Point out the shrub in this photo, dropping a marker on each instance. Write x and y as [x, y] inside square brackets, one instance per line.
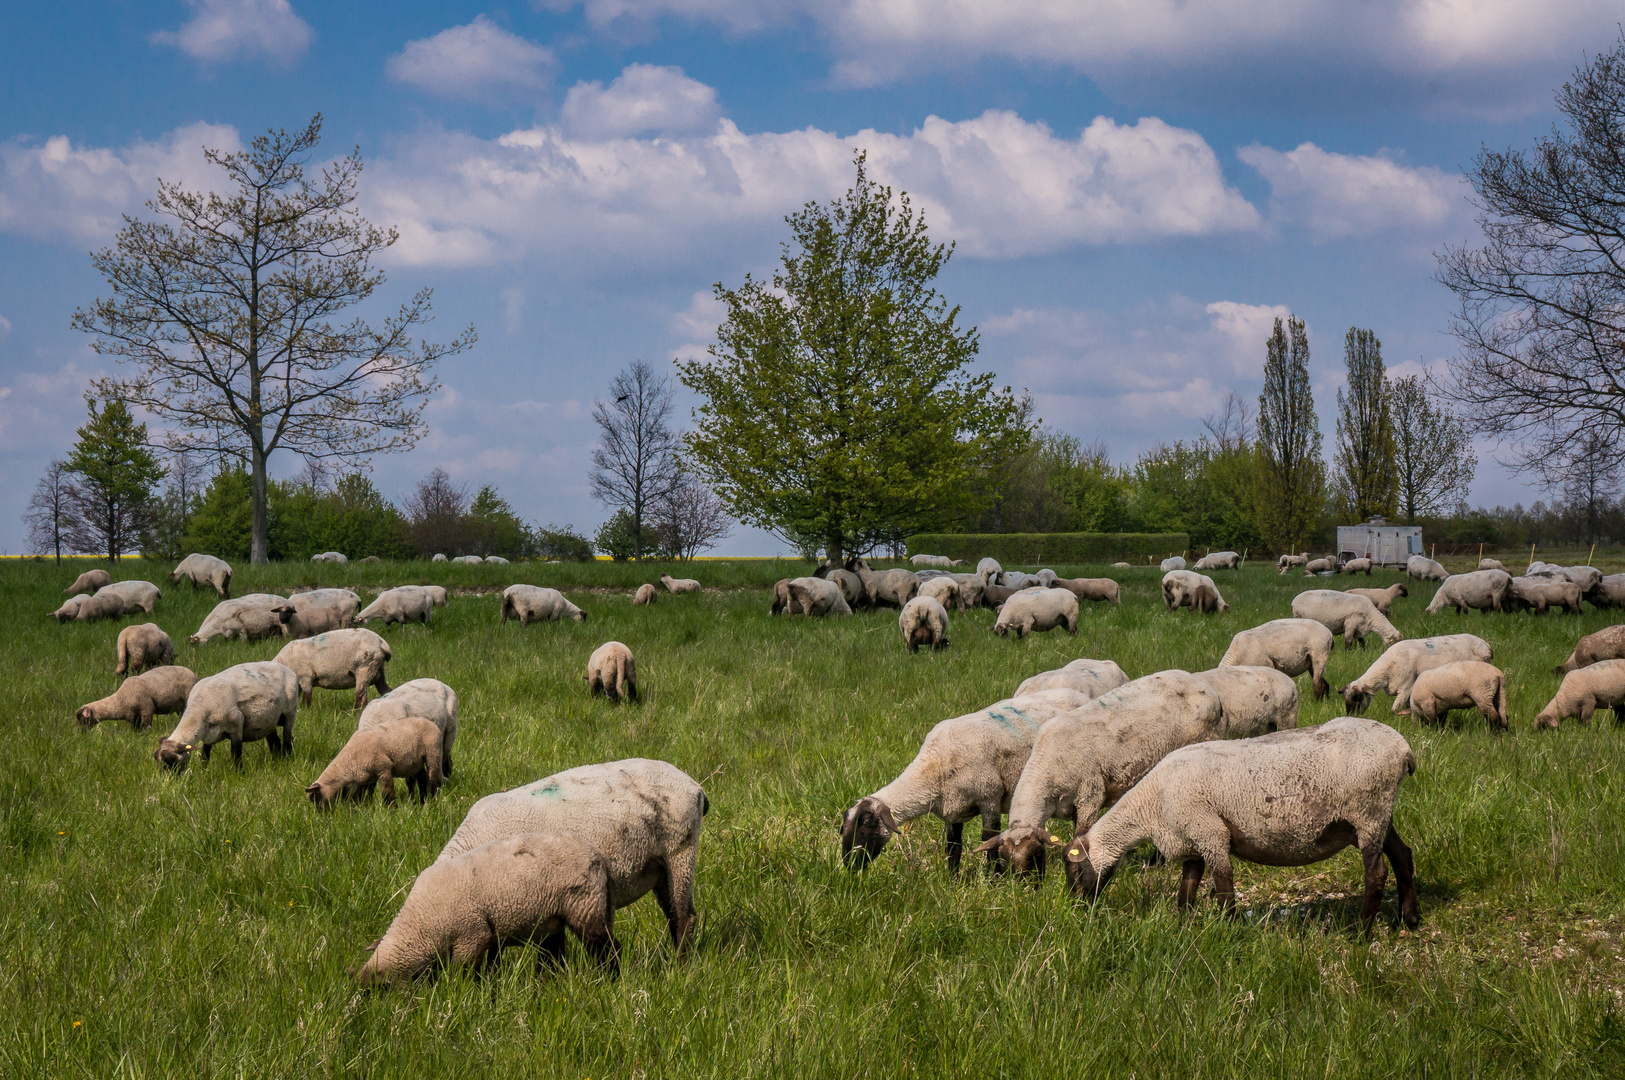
[1031, 549]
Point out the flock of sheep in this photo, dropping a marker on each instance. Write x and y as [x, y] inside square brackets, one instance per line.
[1206, 766]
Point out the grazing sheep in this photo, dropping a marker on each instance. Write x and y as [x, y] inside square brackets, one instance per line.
[817, 597]
[519, 890]
[1218, 560]
[89, 582]
[1091, 678]
[1461, 685]
[69, 611]
[930, 560]
[1287, 799]
[1173, 562]
[1357, 566]
[1425, 569]
[1608, 592]
[104, 605]
[1186, 588]
[1485, 590]
[204, 570]
[944, 590]
[1540, 593]
[850, 584]
[644, 816]
[342, 599]
[1046, 577]
[140, 697]
[372, 559]
[429, 699]
[137, 595]
[1383, 598]
[1123, 565]
[1328, 565]
[338, 660]
[924, 621]
[1586, 577]
[1345, 613]
[437, 593]
[1490, 564]
[894, 588]
[1584, 691]
[1605, 644]
[782, 600]
[1255, 698]
[407, 748]
[312, 621]
[330, 556]
[1290, 646]
[994, 596]
[1038, 610]
[987, 568]
[438, 557]
[245, 703]
[1017, 580]
[1092, 588]
[1289, 562]
[402, 604]
[971, 589]
[143, 646]
[646, 594]
[498, 559]
[1395, 671]
[612, 672]
[529, 604]
[967, 767]
[246, 618]
[679, 585]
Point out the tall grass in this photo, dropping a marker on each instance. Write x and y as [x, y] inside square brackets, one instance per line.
[203, 924]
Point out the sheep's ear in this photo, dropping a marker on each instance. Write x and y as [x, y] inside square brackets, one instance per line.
[886, 819]
[1054, 841]
[1078, 850]
[374, 946]
[313, 793]
[987, 847]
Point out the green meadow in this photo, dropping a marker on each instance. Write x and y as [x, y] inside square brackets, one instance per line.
[203, 924]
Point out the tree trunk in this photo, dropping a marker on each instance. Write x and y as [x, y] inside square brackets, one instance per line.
[261, 551]
[833, 554]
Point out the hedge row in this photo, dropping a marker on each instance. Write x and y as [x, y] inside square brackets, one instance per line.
[1037, 549]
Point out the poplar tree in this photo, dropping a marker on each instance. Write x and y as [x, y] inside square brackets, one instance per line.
[1291, 488]
[1366, 484]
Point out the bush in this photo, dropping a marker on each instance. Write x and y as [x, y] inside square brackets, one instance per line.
[1060, 549]
[564, 544]
[616, 537]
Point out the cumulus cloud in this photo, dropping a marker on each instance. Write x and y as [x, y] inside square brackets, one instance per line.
[477, 62]
[644, 100]
[1335, 195]
[221, 30]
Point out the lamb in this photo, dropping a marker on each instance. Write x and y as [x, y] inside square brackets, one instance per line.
[1608, 592]
[930, 560]
[1218, 560]
[894, 588]
[1490, 564]
[143, 646]
[330, 556]
[402, 604]
[967, 767]
[644, 816]
[1396, 670]
[1605, 644]
[204, 570]
[924, 621]
[1287, 799]
[1425, 569]
[104, 605]
[246, 618]
[529, 603]
[1098, 588]
[140, 697]
[612, 672]
[407, 747]
[1584, 691]
[1345, 613]
[679, 585]
[1186, 588]
[646, 594]
[1037, 610]
[69, 611]
[526, 888]
[1356, 566]
[1485, 590]
[89, 582]
[339, 660]
[1541, 593]
[245, 703]
[1383, 598]
[1173, 562]
[429, 699]
[1290, 646]
[944, 590]
[1289, 562]
[1091, 678]
[1315, 567]
[1461, 685]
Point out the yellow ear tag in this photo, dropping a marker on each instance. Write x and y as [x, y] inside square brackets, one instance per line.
[1055, 839]
[1074, 851]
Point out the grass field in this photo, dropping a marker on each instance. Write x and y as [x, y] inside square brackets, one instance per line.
[202, 924]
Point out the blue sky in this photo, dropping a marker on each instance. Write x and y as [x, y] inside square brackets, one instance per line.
[1136, 189]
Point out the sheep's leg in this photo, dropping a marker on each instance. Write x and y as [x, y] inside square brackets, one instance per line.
[597, 934]
[145, 722]
[955, 845]
[387, 780]
[237, 750]
[287, 734]
[550, 950]
[1224, 883]
[1376, 876]
[1399, 856]
[1191, 880]
[1587, 707]
[675, 892]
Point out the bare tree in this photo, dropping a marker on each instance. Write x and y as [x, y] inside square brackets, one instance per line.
[437, 515]
[635, 460]
[1433, 456]
[1589, 479]
[224, 309]
[1231, 428]
[688, 516]
[53, 517]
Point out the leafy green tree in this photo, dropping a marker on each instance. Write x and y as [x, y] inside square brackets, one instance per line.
[837, 400]
[618, 537]
[1291, 486]
[222, 521]
[497, 528]
[1433, 452]
[1366, 481]
[117, 475]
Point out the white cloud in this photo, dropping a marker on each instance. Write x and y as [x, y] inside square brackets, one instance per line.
[1335, 195]
[480, 61]
[54, 188]
[645, 99]
[241, 29]
[5, 328]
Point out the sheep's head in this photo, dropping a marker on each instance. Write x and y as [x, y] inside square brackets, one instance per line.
[1081, 878]
[87, 718]
[1002, 629]
[1024, 850]
[1400, 589]
[864, 832]
[1355, 699]
[323, 795]
[173, 754]
[578, 615]
[858, 565]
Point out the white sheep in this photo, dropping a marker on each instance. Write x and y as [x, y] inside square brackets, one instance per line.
[246, 618]
[1255, 698]
[1608, 592]
[1485, 590]
[498, 559]
[1218, 560]
[468, 560]
[530, 603]
[1586, 577]
[1425, 569]
[338, 660]
[136, 595]
[924, 621]
[143, 646]
[104, 605]
[817, 597]
[944, 590]
[679, 585]
[1038, 610]
[1490, 564]
[1460, 685]
[1383, 598]
[1187, 588]
[1357, 566]
[330, 556]
[438, 557]
[437, 593]
[89, 582]
[1173, 562]
[645, 595]
[1395, 671]
[203, 570]
[1327, 565]
[987, 568]
[402, 604]
[1584, 691]
[1287, 799]
[1290, 646]
[1542, 593]
[930, 560]
[1100, 588]
[1343, 613]
[1289, 562]
[1091, 678]
[69, 611]
[430, 699]
[894, 588]
[245, 703]
[161, 690]
[1606, 644]
[406, 748]
[970, 589]
[611, 671]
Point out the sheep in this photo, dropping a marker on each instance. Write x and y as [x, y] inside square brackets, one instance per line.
[1037, 610]
[467, 560]
[89, 582]
[1092, 755]
[1460, 685]
[1099, 588]
[1091, 678]
[137, 595]
[1218, 560]
[245, 703]
[521, 889]
[529, 603]
[1046, 577]
[69, 611]
[1485, 590]
[1490, 564]
[402, 604]
[246, 618]
[1425, 569]
[971, 588]
[1605, 644]
[1255, 698]
[1356, 566]
[1186, 588]
[1289, 562]
[1395, 671]
[1584, 691]
[1586, 577]
[407, 747]
[1345, 613]
[967, 767]
[645, 595]
[429, 699]
[437, 593]
[782, 600]
[987, 568]
[612, 672]
[1286, 799]
[1123, 565]
[1541, 593]
[143, 646]
[944, 590]
[338, 660]
[930, 560]
[1017, 580]
[438, 557]
[1316, 567]
[894, 588]
[104, 605]
[994, 596]
[850, 584]
[1383, 598]
[343, 600]
[644, 816]
[311, 621]
[1173, 562]
[372, 559]
[1608, 592]
[1290, 646]
[330, 556]
[924, 621]
[679, 585]
[140, 697]
[204, 570]
[498, 559]
[817, 597]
